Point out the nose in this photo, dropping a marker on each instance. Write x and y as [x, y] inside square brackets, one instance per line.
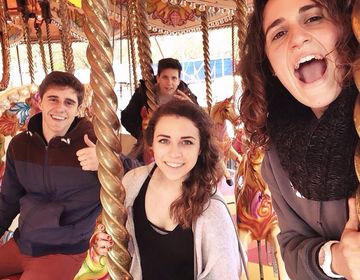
[174, 150]
[298, 37]
[60, 106]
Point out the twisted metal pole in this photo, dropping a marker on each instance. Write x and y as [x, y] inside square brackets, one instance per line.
[5, 49]
[41, 46]
[207, 70]
[27, 39]
[48, 39]
[356, 29]
[144, 51]
[241, 14]
[106, 125]
[19, 64]
[233, 57]
[132, 32]
[66, 38]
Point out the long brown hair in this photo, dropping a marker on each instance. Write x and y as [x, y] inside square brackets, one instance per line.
[259, 85]
[200, 185]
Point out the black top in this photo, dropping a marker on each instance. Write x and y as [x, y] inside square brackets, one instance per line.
[163, 254]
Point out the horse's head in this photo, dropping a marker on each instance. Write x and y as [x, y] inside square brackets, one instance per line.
[256, 156]
[225, 110]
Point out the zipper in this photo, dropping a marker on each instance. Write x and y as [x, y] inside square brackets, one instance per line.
[46, 172]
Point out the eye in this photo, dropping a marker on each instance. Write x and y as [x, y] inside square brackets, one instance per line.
[163, 141]
[52, 99]
[187, 142]
[69, 103]
[279, 35]
[313, 19]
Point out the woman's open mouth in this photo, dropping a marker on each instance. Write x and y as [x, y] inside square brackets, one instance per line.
[310, 69]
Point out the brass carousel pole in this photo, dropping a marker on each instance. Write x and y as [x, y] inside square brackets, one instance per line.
[5, 49]
[144, 51]
[46, 15]
[241, 14]
[106, 124]
[132, 33]
[41, 45]
[66, 38]
[233, 56]
[48, 39]
[205, 35]
[19, 64]
[356, 29]
[28, 48]
[241, 22]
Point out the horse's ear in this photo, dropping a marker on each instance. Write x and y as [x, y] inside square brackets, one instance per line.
[229, 99]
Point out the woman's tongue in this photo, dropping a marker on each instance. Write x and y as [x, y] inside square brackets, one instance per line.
[311, 71]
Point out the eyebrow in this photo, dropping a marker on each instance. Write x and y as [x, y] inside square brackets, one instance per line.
[70, 100]
[280, 20]
[66, 99]
[183, 137]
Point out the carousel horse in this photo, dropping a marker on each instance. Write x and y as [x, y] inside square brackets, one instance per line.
[256, 219]
[221, 111]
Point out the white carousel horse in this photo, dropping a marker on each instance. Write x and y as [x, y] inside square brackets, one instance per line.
[221, 111]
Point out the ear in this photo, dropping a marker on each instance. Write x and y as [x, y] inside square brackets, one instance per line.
[157, 78]
[40, 104]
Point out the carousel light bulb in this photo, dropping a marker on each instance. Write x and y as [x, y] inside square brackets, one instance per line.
[211, 10]
[202, 8]
[173, 2]
[182, 3]
[192, 6]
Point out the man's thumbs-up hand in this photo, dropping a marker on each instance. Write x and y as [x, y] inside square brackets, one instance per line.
[87, 156]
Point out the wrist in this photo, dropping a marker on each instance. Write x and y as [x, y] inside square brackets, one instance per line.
[325, 258]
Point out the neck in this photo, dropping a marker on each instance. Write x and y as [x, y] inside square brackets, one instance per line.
[319, 111]
[174, 186]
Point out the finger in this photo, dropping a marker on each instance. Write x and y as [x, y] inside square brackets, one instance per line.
[88, 141]
[101, 227]
[81, 152]
[103, 236]
[353, 222]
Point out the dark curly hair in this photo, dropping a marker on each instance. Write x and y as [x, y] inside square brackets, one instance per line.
[259, 85]
[198, 188]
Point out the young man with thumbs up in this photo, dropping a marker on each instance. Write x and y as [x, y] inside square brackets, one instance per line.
[57, 200]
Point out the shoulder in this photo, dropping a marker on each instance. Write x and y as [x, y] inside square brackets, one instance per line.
[20, 137]
[271, 163]
[19, 140]
[134, 179]
[136, 174]
[83, 127]
[215, 213]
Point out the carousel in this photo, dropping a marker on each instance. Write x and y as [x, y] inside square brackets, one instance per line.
[44, 23]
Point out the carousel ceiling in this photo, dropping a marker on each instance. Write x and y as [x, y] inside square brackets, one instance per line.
[164, 17]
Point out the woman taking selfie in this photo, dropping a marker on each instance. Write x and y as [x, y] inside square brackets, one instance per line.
[298, 100]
